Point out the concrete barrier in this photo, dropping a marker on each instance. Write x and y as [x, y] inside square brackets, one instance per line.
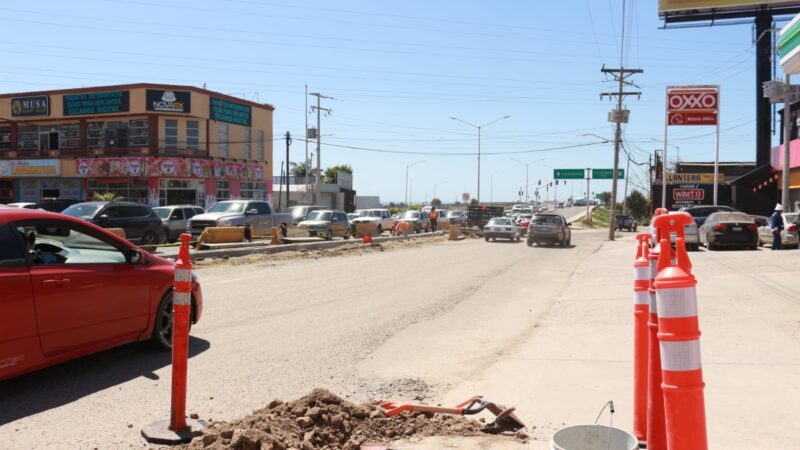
[220, 235]
[455, 232]
[118, 231]
[363, 229]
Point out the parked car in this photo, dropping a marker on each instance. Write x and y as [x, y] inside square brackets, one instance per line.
[580, 202]
[300, 213]
[327, 223]
[729, 229]
[523, 221]
[419, 220]
[71, 288]
[23, 205]
[379, 216]
[350, 217]
[501, 227]
[176, 219]
[625, 222]
[789, 238]
[552, 228]
[141, 224]
[456, 217]
[257, 214]
[701, 212]
[56, 204]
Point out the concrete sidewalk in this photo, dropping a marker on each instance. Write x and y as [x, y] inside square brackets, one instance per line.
[578, 355]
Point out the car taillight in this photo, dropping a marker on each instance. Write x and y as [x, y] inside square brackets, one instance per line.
[720, 227]
[792, 228]
[754, 227]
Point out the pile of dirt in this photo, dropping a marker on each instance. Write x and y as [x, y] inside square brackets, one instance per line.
[321, 420]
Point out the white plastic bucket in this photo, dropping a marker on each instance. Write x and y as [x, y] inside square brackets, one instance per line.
[593, 437]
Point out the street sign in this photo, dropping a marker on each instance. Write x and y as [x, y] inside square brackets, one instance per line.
[607, 174]
[465, 196]
[569, 174]
[690, 105]
[773, 90]
[693, 178]
[688, 194]
[621, 116]
[598, 196]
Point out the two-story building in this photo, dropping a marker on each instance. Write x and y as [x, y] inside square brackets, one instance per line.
[150, 143]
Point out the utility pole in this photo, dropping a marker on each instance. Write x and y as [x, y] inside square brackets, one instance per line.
[619, 116]
[588, 183]
[317, 198]
[787, 131]
[625, 195]
[306, 161]
[288, 143]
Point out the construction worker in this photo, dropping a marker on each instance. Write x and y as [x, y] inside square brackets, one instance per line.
[434, 216]
[776, 225]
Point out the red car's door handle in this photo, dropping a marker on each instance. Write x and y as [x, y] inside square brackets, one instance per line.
[57, 281]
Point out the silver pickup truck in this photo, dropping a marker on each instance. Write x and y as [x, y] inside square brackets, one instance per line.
[258, 214]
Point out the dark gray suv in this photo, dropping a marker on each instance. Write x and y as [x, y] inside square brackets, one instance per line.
[142, 226]
[550, 228]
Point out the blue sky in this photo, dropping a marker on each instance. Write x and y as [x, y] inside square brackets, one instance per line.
[398, 70]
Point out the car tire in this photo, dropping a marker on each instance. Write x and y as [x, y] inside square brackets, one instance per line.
[284, 230]
[161, 338]
[347, 235]
[530, 243]
[149, 238]
[380, 230]
[569, 240]
[329, 235]
[487, 238]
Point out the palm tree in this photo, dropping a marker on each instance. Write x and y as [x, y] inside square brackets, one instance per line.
[105, 196]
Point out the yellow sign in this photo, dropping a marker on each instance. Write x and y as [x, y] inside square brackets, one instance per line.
[699, 178]
[30, 168]
[700, 6]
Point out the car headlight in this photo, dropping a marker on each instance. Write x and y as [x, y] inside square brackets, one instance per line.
[225, 223]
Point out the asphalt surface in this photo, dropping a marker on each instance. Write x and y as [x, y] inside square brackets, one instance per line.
[545, 328]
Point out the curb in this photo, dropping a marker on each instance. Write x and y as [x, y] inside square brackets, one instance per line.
[232, 252]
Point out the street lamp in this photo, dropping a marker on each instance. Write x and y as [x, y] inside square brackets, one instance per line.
[479, 127]
[527, 199]
[410, 165]
[434, 189]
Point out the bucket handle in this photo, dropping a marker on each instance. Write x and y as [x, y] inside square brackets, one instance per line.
[610, 405]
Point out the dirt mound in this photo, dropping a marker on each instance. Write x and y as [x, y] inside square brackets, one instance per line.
[321, 420]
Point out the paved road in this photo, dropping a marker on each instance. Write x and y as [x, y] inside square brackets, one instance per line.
[546, 329]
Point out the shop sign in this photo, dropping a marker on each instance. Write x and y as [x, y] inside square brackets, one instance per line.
[30, 168]
[37, 105]
[692, 105]
[225, 111]
[96, 103]
[694, 178]
[688, 194]
[168, 167]
[169, 101]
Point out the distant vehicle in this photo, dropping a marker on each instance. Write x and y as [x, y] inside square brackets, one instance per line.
[176, 219]
[327, 223]
[479, 215]
[23, 205]
[501, 227]
[523, 221]
[300, 213]
[456, 217]
[549, 227]
[141, 224]
[700, 212]
[580, 202]
[257, 214]
[517, 207]
[419, 220]
[71, 288]
[625, 222]
[378, 216]
[789, 238]
[559, 205]
[729, 229]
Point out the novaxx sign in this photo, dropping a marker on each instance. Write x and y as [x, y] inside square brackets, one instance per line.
[169, 101]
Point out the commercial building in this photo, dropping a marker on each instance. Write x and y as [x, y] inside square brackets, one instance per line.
[150, 143]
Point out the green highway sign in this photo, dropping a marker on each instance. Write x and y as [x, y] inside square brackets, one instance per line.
[607, 174]
[569, 174]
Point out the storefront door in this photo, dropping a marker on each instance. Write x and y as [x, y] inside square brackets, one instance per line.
[6, 191]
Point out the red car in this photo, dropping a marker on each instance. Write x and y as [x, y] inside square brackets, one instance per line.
[69, 288]
[523, 221]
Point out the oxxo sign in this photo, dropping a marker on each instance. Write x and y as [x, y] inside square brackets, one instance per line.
[692, 106]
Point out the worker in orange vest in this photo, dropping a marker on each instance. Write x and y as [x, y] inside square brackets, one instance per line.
[434, 216]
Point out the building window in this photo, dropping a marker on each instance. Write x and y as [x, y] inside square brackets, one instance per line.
[171, 134]
[193, 134]
[223, 191]
[260, 145]
[48, 137]
[253, 191]
[5, 138]
[135, 190]
[248, 143]
[118, 133]
[222, 138]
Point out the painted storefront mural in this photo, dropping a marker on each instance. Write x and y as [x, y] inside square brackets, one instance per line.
[168, 167]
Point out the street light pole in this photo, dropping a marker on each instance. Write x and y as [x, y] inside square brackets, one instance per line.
[434, 189]
[527, 198]
[479, 127]
[407, 167]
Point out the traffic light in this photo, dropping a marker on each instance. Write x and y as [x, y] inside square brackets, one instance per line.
[540, 182]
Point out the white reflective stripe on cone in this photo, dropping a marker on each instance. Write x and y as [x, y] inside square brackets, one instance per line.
[181, 298]
[677, 302]
[641, 298]
[653, 268]
[653, 303]
[182, 275]
[680, 356]
[641, 273]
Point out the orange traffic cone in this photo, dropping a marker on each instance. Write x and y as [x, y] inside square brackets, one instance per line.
[367, 238]
[641, 311]
[679, 337]
[656, 432]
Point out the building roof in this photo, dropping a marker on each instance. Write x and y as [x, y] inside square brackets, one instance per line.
[175, 87]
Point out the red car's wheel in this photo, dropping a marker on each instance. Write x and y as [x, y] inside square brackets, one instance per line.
[162, 329]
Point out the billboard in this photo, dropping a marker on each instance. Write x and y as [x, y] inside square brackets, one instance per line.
[692, 105]
[688, 7]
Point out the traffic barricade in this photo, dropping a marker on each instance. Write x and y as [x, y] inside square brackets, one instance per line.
[679, 339]
[641, 311]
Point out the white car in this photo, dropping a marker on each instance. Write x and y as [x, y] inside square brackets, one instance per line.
[502, 227]
[690, 235]
[379, 216]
